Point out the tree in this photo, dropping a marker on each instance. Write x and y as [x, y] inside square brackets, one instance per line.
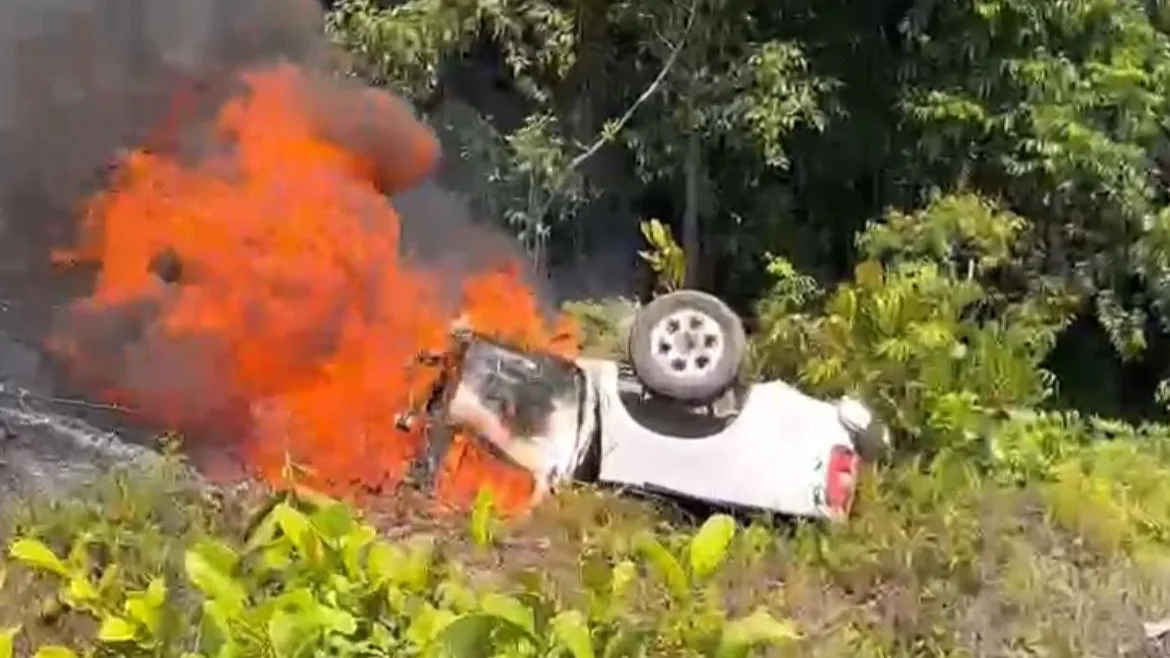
[725, 87]
[788, 128]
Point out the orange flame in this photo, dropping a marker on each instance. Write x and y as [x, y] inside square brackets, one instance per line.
[296, 316]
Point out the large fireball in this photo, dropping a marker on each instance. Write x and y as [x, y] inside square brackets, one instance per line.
[296, 314]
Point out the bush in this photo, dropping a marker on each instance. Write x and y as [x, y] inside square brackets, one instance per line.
[1004, 529]
[942, 561]
[942, 558]
[920, 338]
[311, 577]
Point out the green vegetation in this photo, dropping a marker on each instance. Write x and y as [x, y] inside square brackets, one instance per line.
[957, 211]
[941, 559]
[311, 579]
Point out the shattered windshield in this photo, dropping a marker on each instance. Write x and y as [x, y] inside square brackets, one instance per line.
[522, 388]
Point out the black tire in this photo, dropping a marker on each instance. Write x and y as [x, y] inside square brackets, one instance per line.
[687, 365]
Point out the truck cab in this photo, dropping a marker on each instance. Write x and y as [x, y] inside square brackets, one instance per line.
[762, 447]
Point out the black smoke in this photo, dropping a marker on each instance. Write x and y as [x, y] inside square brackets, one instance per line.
[83, 81]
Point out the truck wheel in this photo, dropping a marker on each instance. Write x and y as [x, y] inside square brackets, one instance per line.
[687, 345]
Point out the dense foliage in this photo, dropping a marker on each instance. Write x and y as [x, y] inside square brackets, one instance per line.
[940, 560]
[786, 128]
[311, 579]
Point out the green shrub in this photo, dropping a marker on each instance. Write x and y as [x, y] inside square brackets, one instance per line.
[312, 578]
[1005, 528]
[943, 557]
[942, 560]
[915, 332]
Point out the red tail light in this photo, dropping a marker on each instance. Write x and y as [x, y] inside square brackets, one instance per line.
[840, 481]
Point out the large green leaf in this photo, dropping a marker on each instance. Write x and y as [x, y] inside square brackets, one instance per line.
[426, 626]
[80, 592]
[34, 553]
[205, 566]
[386, 563]
[334, 522]
[336, 620]
[709, 546]
[115, 629]
[292, 634]
[665, 564]
[353, 549]
[477, 636]
[571, 631]
[7, 640]
[509, 608]
[297, 527]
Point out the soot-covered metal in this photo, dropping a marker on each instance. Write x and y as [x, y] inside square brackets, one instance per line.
[521, 388]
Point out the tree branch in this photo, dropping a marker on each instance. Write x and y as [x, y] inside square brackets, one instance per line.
[653, 87]
[607, 135]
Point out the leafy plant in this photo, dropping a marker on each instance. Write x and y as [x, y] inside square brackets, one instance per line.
[665, 256]
[916, 332]
[313, 578]
[481, 524]
[695, 621]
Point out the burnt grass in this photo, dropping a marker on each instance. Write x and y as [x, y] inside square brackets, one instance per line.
[978, 570]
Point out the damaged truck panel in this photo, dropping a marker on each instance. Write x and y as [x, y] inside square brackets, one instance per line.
[773, 455]
[770, 448]
[529, 408]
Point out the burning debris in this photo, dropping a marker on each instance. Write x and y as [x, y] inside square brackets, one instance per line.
[298, 310]
[247, 280]
[252, 280]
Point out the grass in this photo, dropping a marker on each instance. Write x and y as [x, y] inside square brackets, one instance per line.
[936, 563]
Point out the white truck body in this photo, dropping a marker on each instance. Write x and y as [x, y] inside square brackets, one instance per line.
[770, 448]
[779, 452]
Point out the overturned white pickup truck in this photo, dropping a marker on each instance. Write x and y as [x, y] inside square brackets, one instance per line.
[675, 420]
